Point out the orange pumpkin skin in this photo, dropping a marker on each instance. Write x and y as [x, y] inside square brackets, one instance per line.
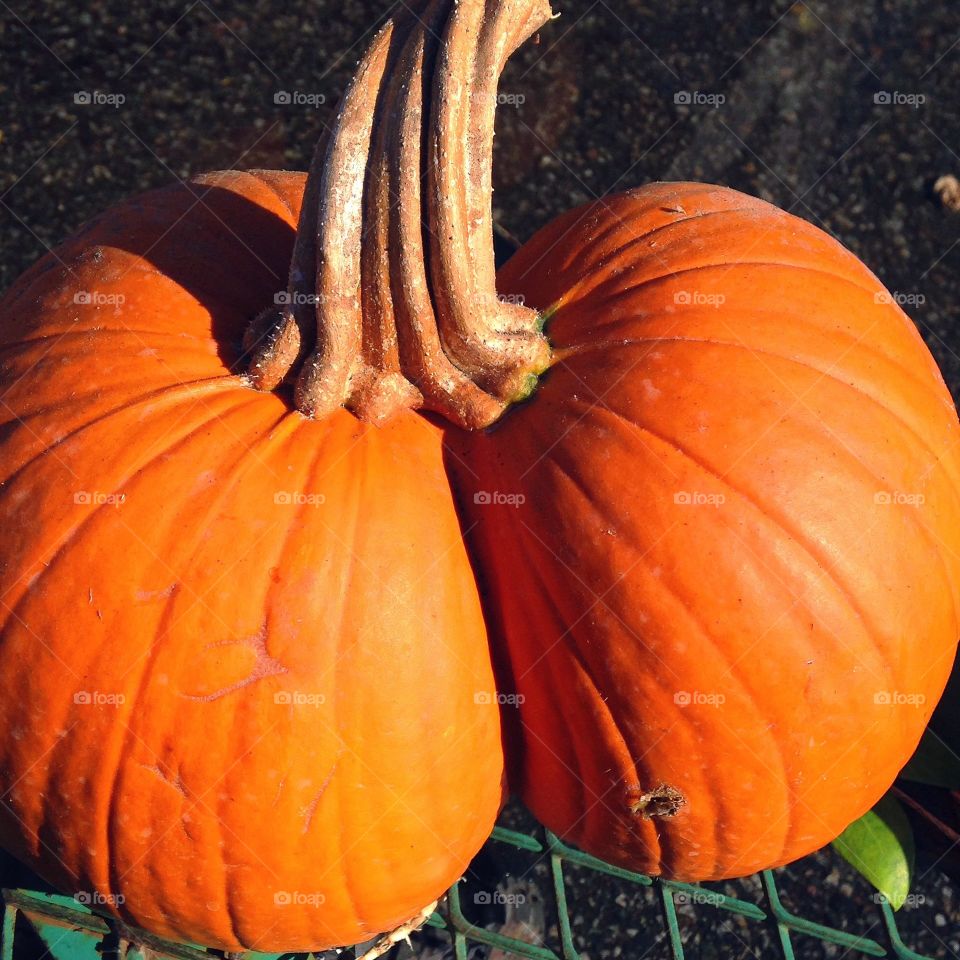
[243, 665]
[722, 540]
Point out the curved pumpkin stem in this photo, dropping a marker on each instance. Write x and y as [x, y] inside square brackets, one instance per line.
[497, 343]
[392, 300]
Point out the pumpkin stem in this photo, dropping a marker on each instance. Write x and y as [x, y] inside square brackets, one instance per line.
[392, 300]
[389, 940]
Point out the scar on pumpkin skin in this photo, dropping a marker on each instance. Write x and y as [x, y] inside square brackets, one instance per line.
[264, 666]
[176, 783]
[661, 801]
[311, 808]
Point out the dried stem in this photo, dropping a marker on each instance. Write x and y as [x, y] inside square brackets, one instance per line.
[324, 383]
[496, 343]
[397, 319]
[381, 387]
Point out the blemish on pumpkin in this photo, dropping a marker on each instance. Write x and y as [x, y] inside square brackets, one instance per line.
[176, 783]
[163, 594]
[264, 666]
[311, 808]
[650, 392]
[662, 801]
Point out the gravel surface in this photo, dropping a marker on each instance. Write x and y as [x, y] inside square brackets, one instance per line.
[843, 114]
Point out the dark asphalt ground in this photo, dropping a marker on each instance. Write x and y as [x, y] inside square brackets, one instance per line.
[178, 88]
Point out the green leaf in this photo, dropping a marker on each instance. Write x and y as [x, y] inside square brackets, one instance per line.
[880, 846]
[934, 764]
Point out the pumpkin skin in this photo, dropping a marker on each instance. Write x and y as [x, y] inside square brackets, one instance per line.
[233, 721]
[722, 541]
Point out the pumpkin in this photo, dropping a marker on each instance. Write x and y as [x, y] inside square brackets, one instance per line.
[259, 538]
[722, 542]
[246, 689]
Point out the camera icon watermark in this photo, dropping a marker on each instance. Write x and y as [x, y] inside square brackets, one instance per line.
[284, 298]
[486, 897]
[911, 899]
[698, 897]
[698, 98]
[698, 298]
[896, 698]
[895, 98]
[96, 498]
[94, 898]
[97, 698]
[298, 98]
[687, 698]
[297, 898]
[487, 697]
[294, 498]
[299, 698]
[486, 498]
[98, 98]
[899, 298]
[901, 498]
[696, 498]
[98, 299]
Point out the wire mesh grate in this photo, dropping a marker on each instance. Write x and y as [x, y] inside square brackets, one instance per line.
[68, 930]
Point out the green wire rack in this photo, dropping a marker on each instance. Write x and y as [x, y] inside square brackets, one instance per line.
[64, 929]
[668, 892]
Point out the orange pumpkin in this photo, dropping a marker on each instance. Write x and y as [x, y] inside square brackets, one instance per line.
[722, 541]
[243, 660]
[245, 679]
